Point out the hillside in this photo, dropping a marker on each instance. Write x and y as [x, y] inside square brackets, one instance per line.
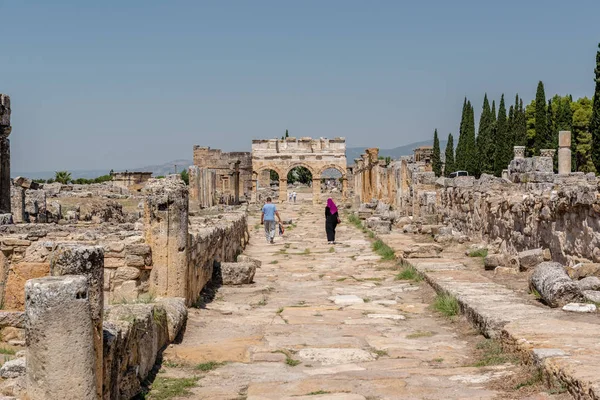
[395, 153]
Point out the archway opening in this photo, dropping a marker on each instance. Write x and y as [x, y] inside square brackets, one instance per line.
[300, 182]
[331, 183]
[267, 185]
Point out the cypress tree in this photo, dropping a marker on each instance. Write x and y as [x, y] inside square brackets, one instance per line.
[462, 139]
[584, 153]
[471, 158]
[541, 123]
[521, 126]
[449, 167]
[485, 146]
[552, 131]
[436, 160]
[500, 161]
[510, 127]
[595, 120]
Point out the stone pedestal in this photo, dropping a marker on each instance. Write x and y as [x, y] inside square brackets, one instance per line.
[282, 190]
[344, 188]
[5, 129]
[519, 151]
[87, 261]
[316, 187]
[166, 231]
[61, 361]
[564, 152]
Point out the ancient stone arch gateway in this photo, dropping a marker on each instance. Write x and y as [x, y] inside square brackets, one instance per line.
[283, 155]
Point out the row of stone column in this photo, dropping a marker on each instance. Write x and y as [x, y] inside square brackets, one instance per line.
[564, 152]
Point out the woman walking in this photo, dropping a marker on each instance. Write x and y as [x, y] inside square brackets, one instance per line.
[331, 220]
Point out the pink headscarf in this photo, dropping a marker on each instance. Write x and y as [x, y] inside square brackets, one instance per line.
[332, 207]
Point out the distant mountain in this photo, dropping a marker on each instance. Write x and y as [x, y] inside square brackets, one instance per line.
[157, 170]
[395, 153]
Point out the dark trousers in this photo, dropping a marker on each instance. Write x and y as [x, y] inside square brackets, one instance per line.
[330, 229]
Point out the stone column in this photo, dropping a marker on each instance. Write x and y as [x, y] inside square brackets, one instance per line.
[254, 197]
[236, 182]
[519, 152]
[564, 152]
[316, 187]
[282, 189]
[87, 261]
[61, 362]
[166, 231]
[344, 188]
[5, 129]
[17, 203]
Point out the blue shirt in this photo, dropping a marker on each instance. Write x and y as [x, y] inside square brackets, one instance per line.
[269, 211]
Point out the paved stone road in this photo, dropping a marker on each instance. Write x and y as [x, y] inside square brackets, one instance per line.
[328, 322]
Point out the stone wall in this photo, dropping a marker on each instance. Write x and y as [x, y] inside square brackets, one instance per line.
[221, 242]
[132, 181]
[562, 216]
[134, 336]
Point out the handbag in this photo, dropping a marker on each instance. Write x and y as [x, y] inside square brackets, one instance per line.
[281, 230]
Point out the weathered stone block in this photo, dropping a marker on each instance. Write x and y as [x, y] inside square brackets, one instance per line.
[127, 274]
[133, 260]
[553, 284]
[237, 273]
[125, 292]
[138, 249]
[589, 283]
[491, 261]
[13, 368]
[530, 258]
[14, 297]
[245, 258]
[582, 270]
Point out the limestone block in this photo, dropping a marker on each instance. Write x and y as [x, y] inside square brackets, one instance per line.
[133, 260]
[505, 270]
[176, 315]
[580, 307]
[125, 292]
[530, 258]
[582, 270]
[592, 295]
[12, 319]
[237, 273]
[245, 258]
[114, 247]
[61, 361]
[127, 274]
[379, 225]
[553, 284]
[138, 249]
[491, 261]
[589, 283]
[13, 368]
[14, 297]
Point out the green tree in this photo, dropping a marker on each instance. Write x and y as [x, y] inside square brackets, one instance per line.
[485, 143]
[63, 177]
[449, 166]
[185, 176]
[584, 153]
[542, 136]
[436, 157]
[501, 138]
[595, 119]
[299, 174]
[520, 124]
[472, 159]
[287, 135]
[582, 113]
[274, 176]
[530, 125]
[460, 158]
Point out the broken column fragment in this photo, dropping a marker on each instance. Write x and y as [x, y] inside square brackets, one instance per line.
[166, 231]
[564, 152]
[87, 261]
[61, 362]
[5, 129]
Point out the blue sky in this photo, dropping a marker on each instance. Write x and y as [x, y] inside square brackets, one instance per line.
[120, 84]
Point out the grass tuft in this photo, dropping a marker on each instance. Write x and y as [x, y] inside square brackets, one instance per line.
[409, 273]
[317, 393]
[492, 353]
[167, 388]
[332, 250]
[8, 351]
[354, 220]
[209, 366]
[478, 253]
[420, 334]
[447, 305]
[385, 251]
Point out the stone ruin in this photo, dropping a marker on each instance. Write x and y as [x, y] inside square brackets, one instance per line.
[95, 280]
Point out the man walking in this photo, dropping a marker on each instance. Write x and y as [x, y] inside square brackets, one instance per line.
[267, 218]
